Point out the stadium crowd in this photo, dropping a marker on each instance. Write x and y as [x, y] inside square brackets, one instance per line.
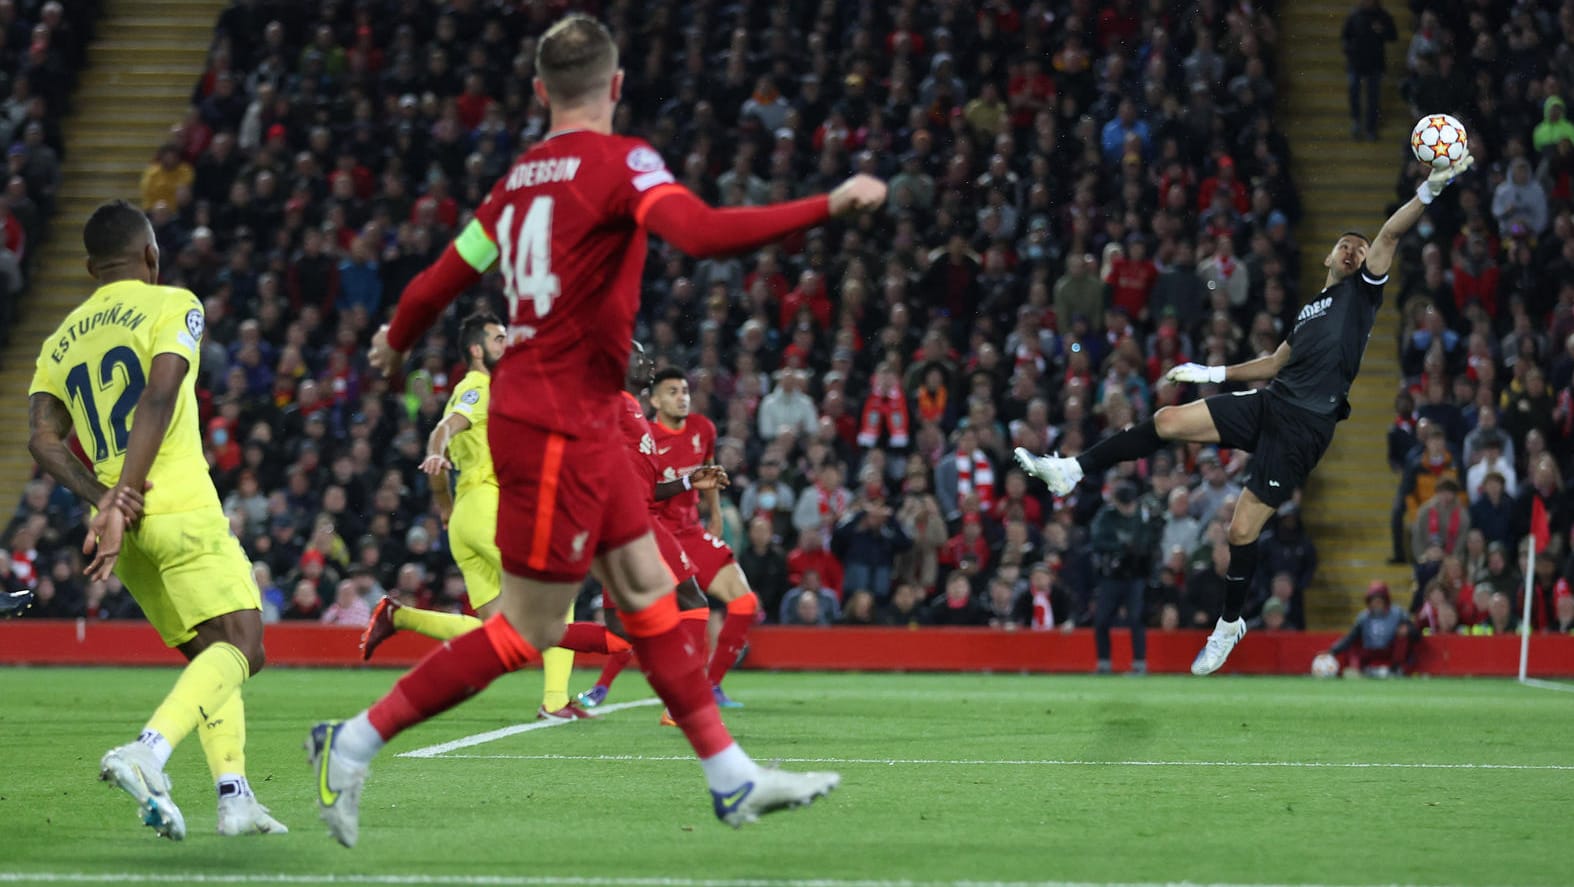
[1082, 195]
[1483, 433]
[42, 46]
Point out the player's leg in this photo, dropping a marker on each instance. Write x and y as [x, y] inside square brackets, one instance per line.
[1134, 591]
[732, 587]
[201, 598]
[615, 663]
[470, 535]
[1107, 602]
[1250, 516]
[1192, 423]
[546, 527]
[740, 789]
[693, 615]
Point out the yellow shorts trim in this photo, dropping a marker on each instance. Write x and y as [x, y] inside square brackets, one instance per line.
[472, 535]
[184, 569]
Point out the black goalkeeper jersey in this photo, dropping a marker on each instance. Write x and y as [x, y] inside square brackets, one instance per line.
[1327, 342]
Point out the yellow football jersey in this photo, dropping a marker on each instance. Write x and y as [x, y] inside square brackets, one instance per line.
[98, 362]
[468, 449]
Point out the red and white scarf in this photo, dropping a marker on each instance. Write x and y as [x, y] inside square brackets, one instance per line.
[1434, 529]
[886, 408]
[1043, 612]
[974, 474]
[833, 504]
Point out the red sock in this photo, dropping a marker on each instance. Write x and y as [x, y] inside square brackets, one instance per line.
[740, 618]
[451, 674]
[675, 668]
[695, 624]
[591, 637]
[614, 667]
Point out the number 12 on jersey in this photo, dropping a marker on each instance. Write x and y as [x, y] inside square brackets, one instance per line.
[80, 385]
[526, 257]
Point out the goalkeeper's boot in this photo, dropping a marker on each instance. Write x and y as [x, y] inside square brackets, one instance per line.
[380, 627]
[339, 784]
[771, 790]
[592, 697]
[136, 771]
[1059, 473]
[243, 815]
[1224, 638]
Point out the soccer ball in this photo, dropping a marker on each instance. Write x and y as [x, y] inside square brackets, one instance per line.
[1324, 665]
[1439, 141]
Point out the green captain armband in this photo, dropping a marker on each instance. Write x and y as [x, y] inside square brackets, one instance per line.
[475, 247]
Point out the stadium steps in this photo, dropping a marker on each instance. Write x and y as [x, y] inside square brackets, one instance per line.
[1344, 184]
[138, 81]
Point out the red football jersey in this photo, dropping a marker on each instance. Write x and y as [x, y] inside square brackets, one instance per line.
[641, 444]
[679, 453]
[566, 222]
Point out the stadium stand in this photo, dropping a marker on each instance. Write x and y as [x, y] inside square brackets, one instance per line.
[1080, 199]
[1484, 419]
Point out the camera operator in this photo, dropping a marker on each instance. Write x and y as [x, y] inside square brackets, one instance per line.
[1123, 539]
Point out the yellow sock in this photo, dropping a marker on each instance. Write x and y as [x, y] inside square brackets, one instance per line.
[557, 664]
[206, 684]
[223, 737]
[442, 626]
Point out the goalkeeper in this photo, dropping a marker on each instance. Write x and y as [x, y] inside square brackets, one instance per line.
[1286, 426]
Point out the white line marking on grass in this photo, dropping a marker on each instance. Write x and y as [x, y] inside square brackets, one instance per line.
[550, 881]
[988, 762]
[432, 751]
[1547, 685]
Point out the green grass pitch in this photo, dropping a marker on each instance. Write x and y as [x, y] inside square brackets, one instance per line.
[947, 778]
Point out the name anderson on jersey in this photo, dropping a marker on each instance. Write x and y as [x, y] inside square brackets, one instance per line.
[114, 314]
[541, 172]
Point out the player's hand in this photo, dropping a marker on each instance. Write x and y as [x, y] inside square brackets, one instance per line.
[128, 501]
[1438, 179]
[1196, 374]
[708, 477]
[858, 194]
[382, 357]
[436, 464]
[104, 535]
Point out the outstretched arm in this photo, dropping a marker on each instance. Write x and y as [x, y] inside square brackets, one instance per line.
[1257, 370]
[1380, 257]
[677, 216]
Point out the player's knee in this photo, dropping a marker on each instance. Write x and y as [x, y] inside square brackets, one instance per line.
[1167, 421]
[1240, 533]
[256, 658]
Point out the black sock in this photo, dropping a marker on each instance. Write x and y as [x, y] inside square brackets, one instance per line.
[1135, 442]
[1243, 566]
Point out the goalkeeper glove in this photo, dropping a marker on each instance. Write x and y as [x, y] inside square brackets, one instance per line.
[1196, 373]
[1434, 183]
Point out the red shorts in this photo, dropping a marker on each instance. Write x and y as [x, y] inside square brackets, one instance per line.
[563, 500]
[709, 554]
[677, 559]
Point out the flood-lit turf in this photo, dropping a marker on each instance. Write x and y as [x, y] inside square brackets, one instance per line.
[947, 777]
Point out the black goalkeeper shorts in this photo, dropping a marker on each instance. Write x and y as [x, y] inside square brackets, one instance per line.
[1285, 441]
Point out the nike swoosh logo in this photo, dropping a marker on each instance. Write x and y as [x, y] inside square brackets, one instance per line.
[732, 799]
[1273, 483]
[662, 451]
[325, 794]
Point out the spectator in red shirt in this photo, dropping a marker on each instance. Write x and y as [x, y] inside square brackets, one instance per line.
[1475, 276]
[968, 546]
[809, 294]
[1131, 278]
[1028, 92]
[1016, 498]
[811, 554]
[473, 102]
[1225, 178]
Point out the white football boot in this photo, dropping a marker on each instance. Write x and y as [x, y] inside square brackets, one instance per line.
[135, 770]
[1224, 638]
[1061, 474]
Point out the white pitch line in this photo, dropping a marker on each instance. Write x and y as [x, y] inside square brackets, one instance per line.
[1547, 685]
[432, 751]
[992, 762]
[550, 881]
